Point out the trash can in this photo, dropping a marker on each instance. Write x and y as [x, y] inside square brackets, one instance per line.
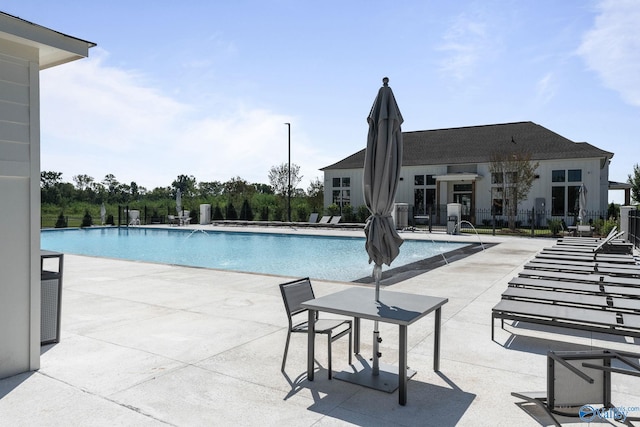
[401, 217]
[454, 214]
[452, 224]
[50, 296]
[205, 214]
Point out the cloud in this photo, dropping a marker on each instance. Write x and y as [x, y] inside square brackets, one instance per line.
[97, 119]
[546, 88]
[464, 44]
[611, 48]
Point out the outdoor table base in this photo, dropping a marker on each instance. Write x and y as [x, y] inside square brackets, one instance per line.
[362, 373]
[398, 308]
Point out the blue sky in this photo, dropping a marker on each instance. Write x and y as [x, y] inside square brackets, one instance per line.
[204, 88]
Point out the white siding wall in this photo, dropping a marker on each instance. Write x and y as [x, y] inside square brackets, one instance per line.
[19, 210]
[594, 178]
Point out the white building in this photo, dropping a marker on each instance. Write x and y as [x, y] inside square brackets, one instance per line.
[25, 49]
[453, 166]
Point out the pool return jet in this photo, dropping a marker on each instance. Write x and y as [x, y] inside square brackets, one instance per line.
[382, 163]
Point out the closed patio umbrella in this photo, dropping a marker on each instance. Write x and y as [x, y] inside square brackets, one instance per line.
[178, 202]
[382, 164]
[582, 203]
[103, 213]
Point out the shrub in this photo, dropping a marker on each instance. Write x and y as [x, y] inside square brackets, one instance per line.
[232, 214]
[217, 214]
[347, 214]
[555, 225]
[246, 213]
[110, 220]
[264, 213]
[333, 209]
[362, 214]
[61, 222]
[87, 221]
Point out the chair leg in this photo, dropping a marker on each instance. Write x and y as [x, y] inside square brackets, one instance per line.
[329, 354]
[286, 349]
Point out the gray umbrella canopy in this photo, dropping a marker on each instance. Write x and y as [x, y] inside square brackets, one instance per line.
[382, 163]
[582, 203]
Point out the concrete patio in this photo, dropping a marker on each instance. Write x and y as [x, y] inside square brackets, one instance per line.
[151, 344]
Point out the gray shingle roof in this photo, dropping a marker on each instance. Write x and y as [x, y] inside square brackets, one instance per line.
[476, 144]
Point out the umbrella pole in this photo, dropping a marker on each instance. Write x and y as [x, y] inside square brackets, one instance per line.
[377, 274]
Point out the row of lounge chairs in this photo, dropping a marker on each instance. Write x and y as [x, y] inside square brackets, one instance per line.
[587, 284]
[591, 285]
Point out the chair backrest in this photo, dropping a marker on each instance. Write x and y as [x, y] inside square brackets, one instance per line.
[295, 293]
[313, 218]
[335, 219]
[325, 219]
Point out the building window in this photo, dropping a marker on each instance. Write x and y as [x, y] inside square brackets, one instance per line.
[497, 178]
[341, 192]
[557, 200]
[575, 175]
[573, 200]
[558, 176]
[424, 195]
[496, 201]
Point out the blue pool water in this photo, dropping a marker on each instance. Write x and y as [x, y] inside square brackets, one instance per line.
[320, 257]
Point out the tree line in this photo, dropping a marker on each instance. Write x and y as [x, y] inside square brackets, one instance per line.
[232, 199]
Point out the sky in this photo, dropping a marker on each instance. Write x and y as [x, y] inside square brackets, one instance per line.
[204, 88]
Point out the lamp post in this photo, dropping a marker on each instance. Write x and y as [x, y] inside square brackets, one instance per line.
[289, 172]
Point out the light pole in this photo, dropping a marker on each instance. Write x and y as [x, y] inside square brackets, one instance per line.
[289, 172]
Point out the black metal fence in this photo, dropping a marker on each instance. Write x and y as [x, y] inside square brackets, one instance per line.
[524, 221]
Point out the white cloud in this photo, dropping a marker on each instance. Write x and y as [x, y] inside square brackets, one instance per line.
[611, 48]
[546, 88]
[99, 120]
[462, 45]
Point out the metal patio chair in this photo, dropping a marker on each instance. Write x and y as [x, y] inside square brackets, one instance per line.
[293, 294]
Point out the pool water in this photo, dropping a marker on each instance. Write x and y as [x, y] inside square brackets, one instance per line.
[319, 257]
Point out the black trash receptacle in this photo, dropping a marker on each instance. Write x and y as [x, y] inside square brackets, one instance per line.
[50, 299]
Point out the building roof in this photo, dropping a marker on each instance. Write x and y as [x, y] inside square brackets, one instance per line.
[476, 144]
[54, 48]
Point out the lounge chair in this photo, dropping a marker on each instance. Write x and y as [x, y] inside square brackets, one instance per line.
[325, 219]
[313, 218]
[293, 294]
[335, 219]
[579, 385]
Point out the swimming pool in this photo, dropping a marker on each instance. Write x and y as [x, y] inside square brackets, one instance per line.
[319, 257]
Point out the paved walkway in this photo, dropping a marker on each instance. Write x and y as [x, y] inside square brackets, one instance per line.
[155, 345]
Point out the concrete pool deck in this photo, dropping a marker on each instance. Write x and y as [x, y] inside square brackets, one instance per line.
[154, 345]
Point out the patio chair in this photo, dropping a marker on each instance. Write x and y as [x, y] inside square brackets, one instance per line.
[335, 219]
[579, 384]
[293, 294]
[313, 218]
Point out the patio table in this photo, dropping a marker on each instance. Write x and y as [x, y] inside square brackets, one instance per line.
[397, 308]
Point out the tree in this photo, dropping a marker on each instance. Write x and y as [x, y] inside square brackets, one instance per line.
[279, 178]
[50, 187]
[315, 194]
[512, 175]
[209, 189]
[186, 185]
[634, 180]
